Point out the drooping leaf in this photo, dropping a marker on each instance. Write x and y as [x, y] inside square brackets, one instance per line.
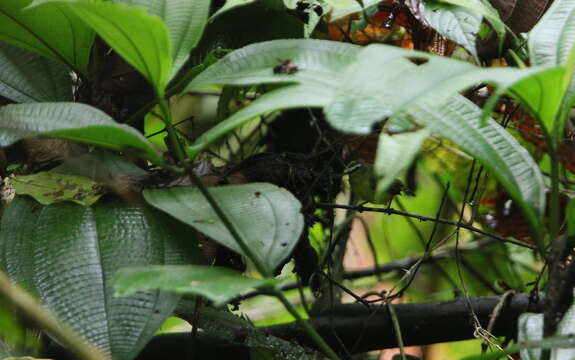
[457, 24]
[395, 153]
[49, 29]
[285, 98]
[267, 217]
[458, 120]
[315, 62]
[215, 284]
[552, 39]
[72, 121]
[67, 253]
[357, 92]
[484, 9]
[551, 42]
[140, 38]
[27, 77]
[185, 19]
[48, 188]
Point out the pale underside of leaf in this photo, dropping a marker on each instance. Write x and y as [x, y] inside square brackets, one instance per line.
[267, 217]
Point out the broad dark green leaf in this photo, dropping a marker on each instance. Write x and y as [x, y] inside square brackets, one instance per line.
[48, 188]
[72, 121]
[140, 38]
[67, 253]
[185, 19]
[48, 29]
[27, 77]
[218, 285]
[267, 217]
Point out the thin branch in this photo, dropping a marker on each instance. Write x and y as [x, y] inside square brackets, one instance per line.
[391, 211]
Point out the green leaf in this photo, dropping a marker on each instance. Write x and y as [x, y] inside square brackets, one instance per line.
[457, 24]
[552, 43]
[218, 285]
[229, 5]
[26, 77]
[355, 87]
[458, 120]
[571, 217]
[48, 188]
[49, 30]
[548, 343]
[185, 19]
[67, 253]
[140, 38]
[483, 8]
[267, 217]
[316, 62]
[552, 39]
[395, 153]
[72, 121]
[285, 98]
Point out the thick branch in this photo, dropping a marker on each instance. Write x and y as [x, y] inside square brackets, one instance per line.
[362, 329]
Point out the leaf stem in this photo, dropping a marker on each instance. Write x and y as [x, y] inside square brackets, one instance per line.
[46, 321]
[259, 265]
[228, 224]
[313, 334]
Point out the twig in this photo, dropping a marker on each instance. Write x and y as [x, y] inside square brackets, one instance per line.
[391, 211]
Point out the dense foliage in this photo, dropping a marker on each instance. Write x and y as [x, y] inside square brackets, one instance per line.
[196, 158]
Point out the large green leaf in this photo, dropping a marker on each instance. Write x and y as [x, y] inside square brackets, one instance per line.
[72, 121]
[185, 19]
[215, 284]
[316, 63]
[459, 121]
[552, 39]
[48, 29]
[67, 253]
[455, 23]
[357, 89]
[551, 42]
[140, 38]
[267, 217]
[26, 77]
